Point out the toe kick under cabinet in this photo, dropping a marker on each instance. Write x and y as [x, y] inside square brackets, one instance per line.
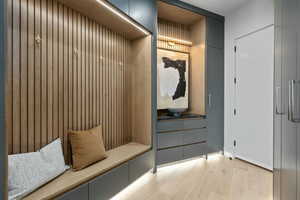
[181, 139]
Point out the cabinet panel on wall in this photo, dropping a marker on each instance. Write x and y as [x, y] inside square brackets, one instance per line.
[106, 186]
[215, 32]
[144, 12]
[78, 193]
[215, 101]
[121, 4]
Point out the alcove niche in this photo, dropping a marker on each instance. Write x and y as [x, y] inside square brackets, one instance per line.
[184, 32]
[75, 65]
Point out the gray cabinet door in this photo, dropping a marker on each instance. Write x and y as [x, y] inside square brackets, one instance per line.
[140, 165]
[287, 69]
[106, 186]
[79, 193]
[278, 109]
[144, 12]
[215, 98]
[121, 4]
[215, 33]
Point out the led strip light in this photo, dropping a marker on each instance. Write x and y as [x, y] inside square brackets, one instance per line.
[122, 16]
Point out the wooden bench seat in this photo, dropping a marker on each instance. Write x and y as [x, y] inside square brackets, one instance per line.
[71, 179]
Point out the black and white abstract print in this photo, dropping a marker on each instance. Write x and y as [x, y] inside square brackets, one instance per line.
[173, 68]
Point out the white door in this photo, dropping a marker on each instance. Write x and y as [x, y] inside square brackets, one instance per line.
[253, 121]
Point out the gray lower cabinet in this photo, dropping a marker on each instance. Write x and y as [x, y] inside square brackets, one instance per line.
[79, 193]
[194, 150]
[112, 182]
[181, 139]
[169, 155]
[140, 165]
[109, 184]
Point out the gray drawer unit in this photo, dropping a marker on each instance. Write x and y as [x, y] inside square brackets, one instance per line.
[195, 136]
[180, 124]
[169, 155]
[106, 186]
[79, 193]
[194, 150]
[165, 140]
[195, 123]
[170, 125]
[140, 165]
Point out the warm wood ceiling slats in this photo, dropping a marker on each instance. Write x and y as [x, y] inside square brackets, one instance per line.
[64, 71]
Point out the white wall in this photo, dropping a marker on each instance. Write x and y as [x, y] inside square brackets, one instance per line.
[251, 16]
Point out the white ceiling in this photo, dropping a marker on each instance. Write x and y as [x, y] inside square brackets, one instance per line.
[222, 7]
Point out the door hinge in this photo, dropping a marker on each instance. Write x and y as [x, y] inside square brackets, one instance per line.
[234, 111]
[234, 143]
[234, 48]
[234, 80]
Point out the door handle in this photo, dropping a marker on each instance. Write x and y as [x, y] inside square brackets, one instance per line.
[209, 100]
[291, 102]
[277, 99]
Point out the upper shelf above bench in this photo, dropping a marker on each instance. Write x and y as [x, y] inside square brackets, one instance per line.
[105, 14]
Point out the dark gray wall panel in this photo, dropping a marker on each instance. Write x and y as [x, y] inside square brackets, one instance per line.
[215, 91]
[140, 165]
[109, 184]
[121, 4]
[144, 12]
[79, 193]
[3, 145]
[215, 33]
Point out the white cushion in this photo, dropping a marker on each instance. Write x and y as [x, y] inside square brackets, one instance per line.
[29, 171]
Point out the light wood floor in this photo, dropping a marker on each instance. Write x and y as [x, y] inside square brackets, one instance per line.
[216, 179]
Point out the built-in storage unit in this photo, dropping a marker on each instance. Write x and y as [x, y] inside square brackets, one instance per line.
[181, 139]
[199, 34]
[73, 65]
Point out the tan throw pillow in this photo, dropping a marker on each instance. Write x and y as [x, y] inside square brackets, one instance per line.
[87, 147]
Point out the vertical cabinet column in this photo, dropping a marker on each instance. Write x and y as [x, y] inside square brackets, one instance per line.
[215, 84]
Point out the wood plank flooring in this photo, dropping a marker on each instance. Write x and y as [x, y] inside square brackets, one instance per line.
[216, 179]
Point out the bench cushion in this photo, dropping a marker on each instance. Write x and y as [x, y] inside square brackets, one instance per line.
[71, 179]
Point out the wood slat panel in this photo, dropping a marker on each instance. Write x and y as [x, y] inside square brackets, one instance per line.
[77, 77]
[173, 30]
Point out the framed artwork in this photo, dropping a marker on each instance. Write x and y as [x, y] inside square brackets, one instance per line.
[172, 79]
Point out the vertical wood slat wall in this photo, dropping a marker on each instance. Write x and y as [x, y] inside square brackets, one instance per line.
[64, 72]
[173, 30]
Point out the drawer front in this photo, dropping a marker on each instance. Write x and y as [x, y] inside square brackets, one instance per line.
[194, 150]
[181, 124]
[169, 155]
[195, 123]
[170, 125]
[140, 165]
[79, 193]
[195, 136]
[165, 140]
[109, 184]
